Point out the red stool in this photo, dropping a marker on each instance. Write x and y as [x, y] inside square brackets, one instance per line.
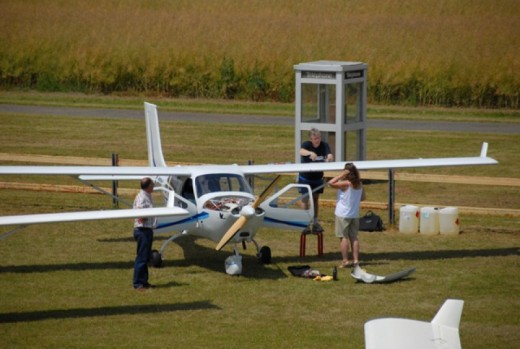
[303, 242]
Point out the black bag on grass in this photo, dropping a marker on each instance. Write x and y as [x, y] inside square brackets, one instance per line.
[371, 222]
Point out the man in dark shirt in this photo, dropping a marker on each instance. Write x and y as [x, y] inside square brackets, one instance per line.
[314, 150]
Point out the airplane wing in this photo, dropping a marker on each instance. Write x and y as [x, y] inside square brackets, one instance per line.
[105, 172]
[482, 159]
[90, 215]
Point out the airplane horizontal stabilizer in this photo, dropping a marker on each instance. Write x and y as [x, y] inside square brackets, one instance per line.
[396, 333]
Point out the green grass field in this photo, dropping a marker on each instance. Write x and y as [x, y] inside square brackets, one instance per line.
[69, 285]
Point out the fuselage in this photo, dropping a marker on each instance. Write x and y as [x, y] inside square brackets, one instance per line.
[215, 196]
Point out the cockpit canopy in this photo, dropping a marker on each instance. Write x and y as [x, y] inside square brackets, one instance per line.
[203, 184]
[217, 182]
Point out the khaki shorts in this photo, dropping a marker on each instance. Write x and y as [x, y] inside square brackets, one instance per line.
[347, 227]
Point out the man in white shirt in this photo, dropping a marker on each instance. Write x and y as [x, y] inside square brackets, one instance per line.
[143, 234]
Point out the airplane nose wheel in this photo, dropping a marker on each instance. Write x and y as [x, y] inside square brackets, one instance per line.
[156, 259]
[264, 255]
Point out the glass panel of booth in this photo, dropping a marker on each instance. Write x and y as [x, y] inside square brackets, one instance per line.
[318, 103]
[353, 108]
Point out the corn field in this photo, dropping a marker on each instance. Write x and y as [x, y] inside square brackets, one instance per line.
[419, 52]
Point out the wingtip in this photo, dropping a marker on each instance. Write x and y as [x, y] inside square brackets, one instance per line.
[483, 151]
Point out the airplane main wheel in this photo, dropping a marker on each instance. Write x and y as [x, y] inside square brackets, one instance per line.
[156, 259]
[264, 256]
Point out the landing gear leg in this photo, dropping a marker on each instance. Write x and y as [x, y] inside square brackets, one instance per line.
[263, 254]
[156, 259]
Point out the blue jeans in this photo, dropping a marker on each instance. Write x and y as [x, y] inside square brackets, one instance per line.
[144, 238]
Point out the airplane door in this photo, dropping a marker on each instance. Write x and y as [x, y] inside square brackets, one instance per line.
[286, 210]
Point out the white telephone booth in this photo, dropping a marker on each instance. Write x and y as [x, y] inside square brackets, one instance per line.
[331, 96]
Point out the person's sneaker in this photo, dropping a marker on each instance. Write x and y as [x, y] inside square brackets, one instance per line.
[144, 287]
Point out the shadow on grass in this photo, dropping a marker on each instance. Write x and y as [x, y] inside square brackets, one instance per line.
[43, 268]
[104, 311]
[372, 258]
[445, 254]
[194, 254]
[184, 252]
[208, 258]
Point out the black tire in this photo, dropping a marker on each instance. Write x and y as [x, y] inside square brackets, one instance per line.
[156, 259]
[264, 256]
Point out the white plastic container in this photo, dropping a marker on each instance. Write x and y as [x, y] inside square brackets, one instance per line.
[429, 221]
[449, 223]
[409, 219]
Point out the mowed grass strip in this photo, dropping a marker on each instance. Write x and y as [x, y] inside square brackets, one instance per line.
[69, 285]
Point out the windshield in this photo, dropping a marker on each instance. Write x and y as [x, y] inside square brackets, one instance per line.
[216, 182]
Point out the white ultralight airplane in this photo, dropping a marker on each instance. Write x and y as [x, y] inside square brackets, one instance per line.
[211, 201]
[394, 333]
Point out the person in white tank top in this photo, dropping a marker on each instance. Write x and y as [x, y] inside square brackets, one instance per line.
[350, 195]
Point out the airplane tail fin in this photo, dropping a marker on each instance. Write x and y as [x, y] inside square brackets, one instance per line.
[449, 314]
[155, 154]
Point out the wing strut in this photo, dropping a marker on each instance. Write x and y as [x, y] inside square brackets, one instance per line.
[11, 232]
[101, 190]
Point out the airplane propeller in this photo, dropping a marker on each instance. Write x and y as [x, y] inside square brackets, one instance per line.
[246, 213]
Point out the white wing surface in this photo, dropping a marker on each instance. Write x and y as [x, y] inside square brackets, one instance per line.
[369, 165]
[104, 171]
[90, 215]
